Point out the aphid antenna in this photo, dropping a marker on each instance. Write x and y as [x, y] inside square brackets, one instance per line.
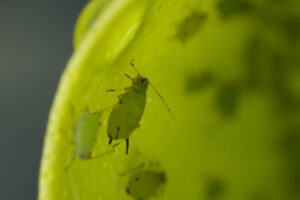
[132, 64]
[127, 76]
[162, 99]
[132, 170]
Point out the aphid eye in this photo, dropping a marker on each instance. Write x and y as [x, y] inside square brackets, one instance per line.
[144, 80]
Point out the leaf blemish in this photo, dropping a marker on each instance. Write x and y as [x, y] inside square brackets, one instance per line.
[229, 8]
[215, 188]
[189, 26]
[197, 82]
[227, 100]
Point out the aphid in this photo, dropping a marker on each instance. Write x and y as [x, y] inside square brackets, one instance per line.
[85, 135]
[144, 183]
[128, 111]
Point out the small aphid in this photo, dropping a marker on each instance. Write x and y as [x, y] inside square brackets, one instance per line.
[85, 135]
[144, 183]
[128, 111]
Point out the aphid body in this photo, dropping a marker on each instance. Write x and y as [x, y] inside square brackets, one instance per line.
[128, 111]
[85, 134]
[144, 183]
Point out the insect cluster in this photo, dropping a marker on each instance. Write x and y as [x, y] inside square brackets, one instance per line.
[124, 118]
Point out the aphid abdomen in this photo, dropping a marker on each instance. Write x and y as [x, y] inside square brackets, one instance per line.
[126, 115]
[86, 134]
[144, 184]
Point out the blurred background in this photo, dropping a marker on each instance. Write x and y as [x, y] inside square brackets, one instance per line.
[35, 44]
[257, 112]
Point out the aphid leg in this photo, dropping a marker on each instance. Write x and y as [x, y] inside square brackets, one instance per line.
[71, 161]
[110, 139]
[127, 76]
[113, 90]
[107, 152]
[127, 145]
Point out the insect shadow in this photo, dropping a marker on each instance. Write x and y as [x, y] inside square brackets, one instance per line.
[128, 111]
[85, 136]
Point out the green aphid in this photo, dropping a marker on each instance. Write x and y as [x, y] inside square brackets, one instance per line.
[128, 111]
[143, 184]
[85, 135]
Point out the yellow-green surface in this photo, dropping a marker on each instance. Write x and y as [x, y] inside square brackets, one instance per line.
[229, 70]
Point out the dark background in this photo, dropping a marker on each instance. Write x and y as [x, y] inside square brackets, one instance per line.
[35, 44]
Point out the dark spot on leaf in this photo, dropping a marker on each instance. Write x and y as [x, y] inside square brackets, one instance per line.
[229, 8]
[127, 190]
[189, 26]
[198, 81]
[291, 146]
[291, 26]
[160, 6]
[257, 196]
[253, 53]
[215, 188]
[291, 141]
[287, 102]
[227, 100]
[137, 179]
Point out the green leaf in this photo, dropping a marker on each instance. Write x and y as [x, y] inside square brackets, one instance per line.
[233, 106]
